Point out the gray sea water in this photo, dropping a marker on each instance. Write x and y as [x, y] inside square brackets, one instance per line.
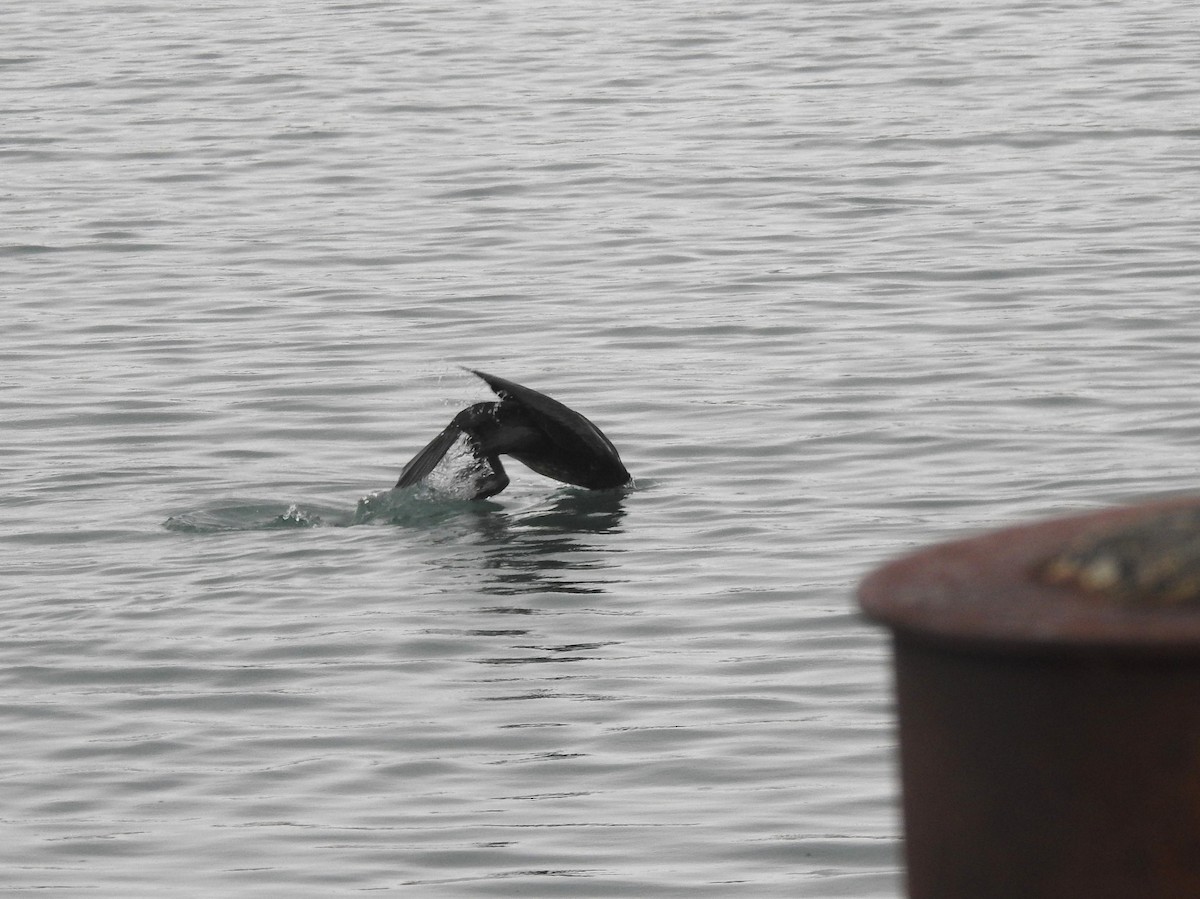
[838, 279]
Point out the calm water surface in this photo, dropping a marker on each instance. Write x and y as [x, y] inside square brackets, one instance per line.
[838, 279]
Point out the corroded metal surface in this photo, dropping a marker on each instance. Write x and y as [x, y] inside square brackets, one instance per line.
[1152, 561]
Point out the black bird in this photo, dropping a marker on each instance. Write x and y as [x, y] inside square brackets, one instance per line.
[534, 429]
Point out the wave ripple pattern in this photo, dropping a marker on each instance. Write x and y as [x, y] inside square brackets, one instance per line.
[837, 279]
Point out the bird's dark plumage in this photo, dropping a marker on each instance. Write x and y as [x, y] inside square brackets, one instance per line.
[534, 429]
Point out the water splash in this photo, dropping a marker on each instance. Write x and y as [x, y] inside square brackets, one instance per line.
[260, 515]
[420, 506]
[459, 474]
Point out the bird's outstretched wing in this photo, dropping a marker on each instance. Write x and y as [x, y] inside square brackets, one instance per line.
[427, 459]
[563, 425]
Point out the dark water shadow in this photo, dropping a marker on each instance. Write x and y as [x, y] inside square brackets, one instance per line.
[559, 546]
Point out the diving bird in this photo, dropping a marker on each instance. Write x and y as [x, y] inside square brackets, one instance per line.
[534, 429]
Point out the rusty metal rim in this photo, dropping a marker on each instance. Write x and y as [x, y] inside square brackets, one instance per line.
[981, 592]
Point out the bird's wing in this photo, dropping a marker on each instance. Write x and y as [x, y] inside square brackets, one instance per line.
[563, 425]
[427, 459]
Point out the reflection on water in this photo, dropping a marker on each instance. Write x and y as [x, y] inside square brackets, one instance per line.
[547, 549]
[580, 511]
